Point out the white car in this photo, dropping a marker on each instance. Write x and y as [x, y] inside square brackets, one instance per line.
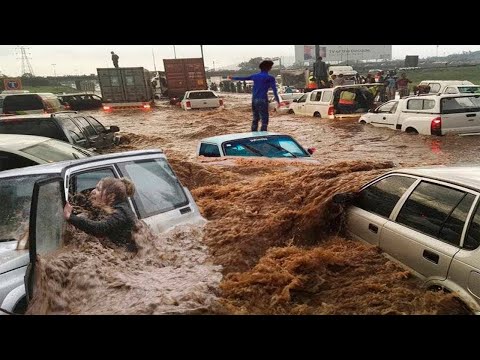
[286, 99]
[159, 200]
[428, 220]
[451, 86]
[261, 143]
[201, 99]
[429, 114]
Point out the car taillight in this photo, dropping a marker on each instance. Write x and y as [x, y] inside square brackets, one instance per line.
[107, 108]
[331, 110]
[188, 104]
[436, 126]
[146, 106]
[221, 102]
[284, 103]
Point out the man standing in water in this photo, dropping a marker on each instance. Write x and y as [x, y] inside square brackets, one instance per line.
[262, 81]
[115, 59]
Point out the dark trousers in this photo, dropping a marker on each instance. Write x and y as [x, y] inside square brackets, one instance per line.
[260, 110]
[115, 63]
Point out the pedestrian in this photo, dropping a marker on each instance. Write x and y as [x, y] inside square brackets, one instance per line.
[320, 72]
[339, 80]
[111, 195]
[262, 81]
[402, 85]
[115, 59]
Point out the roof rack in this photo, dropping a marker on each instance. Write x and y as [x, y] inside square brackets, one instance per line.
[64, 112]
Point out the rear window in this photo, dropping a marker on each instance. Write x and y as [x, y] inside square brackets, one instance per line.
[469, 89]
[52, 151]
[40, 127]
[73, 130]
[202, 95]
[420, 104]
[453, 105]
[15, 103]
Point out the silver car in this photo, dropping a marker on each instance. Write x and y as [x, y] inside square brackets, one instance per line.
[428, 220]
[39, 193]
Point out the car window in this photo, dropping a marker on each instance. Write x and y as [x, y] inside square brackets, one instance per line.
[85, 125]
[202, 95]
[18, 103]
[450, 90]
[381, 197]
[429, 206]
[52, 151]
[157, 189]
[472, 239]
[209, 150]
[96, 124]
[16, 195]
[451, 105]
[463, 90]
[434, 87]
[315, 96]
[41, 127]
[88, 180]
[420, 104]
[389, 107]
[452, 229]
[269, 146]
[74, 131]
[13, 161]
[327, 96]
[303, 99]
[52, 103]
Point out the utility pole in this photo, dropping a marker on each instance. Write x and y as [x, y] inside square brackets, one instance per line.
[174, 52]
[154, 65]
[437, 51]
[213, 65]
[54, 71]
[203, 62]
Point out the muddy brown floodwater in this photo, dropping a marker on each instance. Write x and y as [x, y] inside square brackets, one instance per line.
[273, 243]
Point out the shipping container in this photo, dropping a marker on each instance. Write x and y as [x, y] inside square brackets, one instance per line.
[125, 87]
[183, 75]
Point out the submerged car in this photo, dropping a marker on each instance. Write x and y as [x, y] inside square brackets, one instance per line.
[261, 143]
[33, 199]
[80, 101]
[286, 99]
[201, 99]
[428, 220]
[17, 151]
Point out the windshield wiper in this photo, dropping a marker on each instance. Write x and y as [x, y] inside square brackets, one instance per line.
[278, 147]
[83, 151]
[252, 149]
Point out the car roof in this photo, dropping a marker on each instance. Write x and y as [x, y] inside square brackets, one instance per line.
[449, 82]
[464, 175]
[229, 137]
[74, 94]
[17, 142]
[36, 116]
[58, 167]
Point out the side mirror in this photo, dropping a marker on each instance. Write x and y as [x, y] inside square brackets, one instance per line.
[113, 128]
[295, 100]
[311, 150]
[345, 198]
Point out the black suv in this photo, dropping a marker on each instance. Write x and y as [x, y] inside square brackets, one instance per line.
[83, 101]
[77, 129]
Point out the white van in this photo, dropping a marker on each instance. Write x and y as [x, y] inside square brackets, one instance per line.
[349, 74]
[451, 86]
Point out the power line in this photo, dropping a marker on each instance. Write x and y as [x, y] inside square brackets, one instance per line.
[26, 66]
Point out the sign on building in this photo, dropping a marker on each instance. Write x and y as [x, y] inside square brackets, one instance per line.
[343, 52]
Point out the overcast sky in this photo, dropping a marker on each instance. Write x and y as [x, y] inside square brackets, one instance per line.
[84, 59]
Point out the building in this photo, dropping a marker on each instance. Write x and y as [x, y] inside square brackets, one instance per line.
[341, 53]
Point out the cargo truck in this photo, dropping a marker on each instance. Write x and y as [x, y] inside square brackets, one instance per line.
[125, 88]
[183, 75]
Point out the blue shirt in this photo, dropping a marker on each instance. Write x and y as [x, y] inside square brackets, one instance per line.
[261, 83]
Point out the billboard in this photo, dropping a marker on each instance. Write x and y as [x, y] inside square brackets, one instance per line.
[344, 52]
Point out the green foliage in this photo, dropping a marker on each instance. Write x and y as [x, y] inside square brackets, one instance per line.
[250, 65]
[50, 89]
[470, 73]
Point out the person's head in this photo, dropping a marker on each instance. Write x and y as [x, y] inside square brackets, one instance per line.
[110, 191]
[330, 72]
[334, 76]
[111, 52]
[319, 58]
[340, 76]
[403, 75]
[266, 65]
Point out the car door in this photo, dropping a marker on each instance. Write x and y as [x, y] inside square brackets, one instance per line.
[46, 228]
[75, 134]
[374, 206]
[426, 233]
[94, 139]
[105, 138]
[313, 102]
[300, 105]
[385, 115]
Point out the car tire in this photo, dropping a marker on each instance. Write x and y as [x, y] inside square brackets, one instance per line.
[316, 114]
[291, 112]
[411, 130]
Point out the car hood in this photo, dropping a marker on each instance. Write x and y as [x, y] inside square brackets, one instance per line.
[10, 258]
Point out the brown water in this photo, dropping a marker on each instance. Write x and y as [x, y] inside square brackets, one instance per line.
[273, 231]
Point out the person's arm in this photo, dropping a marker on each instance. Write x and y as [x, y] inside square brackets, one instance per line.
[99, 228]
[273, 85]
[241, 78]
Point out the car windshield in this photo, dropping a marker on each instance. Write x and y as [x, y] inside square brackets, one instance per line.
[16, 194]
[52, 151]
[275, 146]
[469, 89]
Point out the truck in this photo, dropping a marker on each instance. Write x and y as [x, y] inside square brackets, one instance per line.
[125, 88]
[295, 78]
[183, 75]
[438, 114]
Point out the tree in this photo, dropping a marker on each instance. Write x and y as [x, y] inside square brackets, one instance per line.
[250, 65]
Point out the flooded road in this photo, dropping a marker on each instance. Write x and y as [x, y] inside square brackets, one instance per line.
[273, 243]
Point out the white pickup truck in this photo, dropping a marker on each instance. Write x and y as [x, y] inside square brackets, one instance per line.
[429, 114]
[201, 99]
